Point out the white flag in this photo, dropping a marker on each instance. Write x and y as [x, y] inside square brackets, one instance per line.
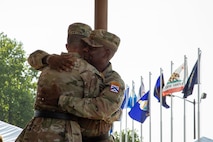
[176, 81]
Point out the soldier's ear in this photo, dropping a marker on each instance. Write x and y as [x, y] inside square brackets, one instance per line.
[66, 46]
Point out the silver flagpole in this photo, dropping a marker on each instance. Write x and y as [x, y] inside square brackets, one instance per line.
[150, 108]
[161, 72]
[126, 135]
[171, 107]
[184, 115]
[121, 130]
[133, 95]
[127, 97]
[198, 81]
[184, 120]
[140, 97]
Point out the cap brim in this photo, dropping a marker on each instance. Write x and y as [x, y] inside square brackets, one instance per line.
[92, 43]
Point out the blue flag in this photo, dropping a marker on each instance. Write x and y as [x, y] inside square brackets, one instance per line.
[126, 98]
[157, 92]
[132, 100]
[192, 80]
[140, 110]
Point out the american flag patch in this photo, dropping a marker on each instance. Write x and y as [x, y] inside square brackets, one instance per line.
[114, 87]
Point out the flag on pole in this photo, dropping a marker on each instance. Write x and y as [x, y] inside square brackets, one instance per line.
[192, 80]
[176, 80]
[141, 90]
[140, 111]
[133, 98]
[157, 91]
[126, 98]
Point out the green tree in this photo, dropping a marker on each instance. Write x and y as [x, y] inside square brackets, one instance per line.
[17, 85]
[129, 136]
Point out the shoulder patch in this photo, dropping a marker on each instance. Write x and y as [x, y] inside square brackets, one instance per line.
[114, 87]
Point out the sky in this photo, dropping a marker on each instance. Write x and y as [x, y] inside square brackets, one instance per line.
[153, 34]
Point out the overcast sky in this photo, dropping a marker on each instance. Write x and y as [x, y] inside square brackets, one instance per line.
[153, 33]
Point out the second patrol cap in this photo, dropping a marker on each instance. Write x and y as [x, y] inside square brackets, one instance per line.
[101, 37]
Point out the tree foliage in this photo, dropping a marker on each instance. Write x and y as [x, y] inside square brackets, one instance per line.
[17, 85]
[129, 136]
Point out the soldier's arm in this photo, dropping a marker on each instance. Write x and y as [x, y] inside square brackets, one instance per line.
[40, 59]
[104, 107]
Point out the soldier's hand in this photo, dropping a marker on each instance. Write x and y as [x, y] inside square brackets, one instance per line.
[60, 62]
[116, 116]
[50, 96]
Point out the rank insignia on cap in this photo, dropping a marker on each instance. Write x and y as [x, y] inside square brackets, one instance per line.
[115, 87]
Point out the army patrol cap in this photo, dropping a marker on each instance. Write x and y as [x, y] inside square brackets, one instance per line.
[100, 38]
[79, 29]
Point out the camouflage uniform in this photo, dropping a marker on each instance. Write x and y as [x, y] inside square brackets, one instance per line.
[82, 79]
[100, 112]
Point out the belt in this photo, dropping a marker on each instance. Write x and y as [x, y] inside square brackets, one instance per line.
[96, 138]
[56, 115]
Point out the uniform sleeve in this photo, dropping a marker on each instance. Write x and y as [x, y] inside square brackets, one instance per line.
[35, 59]
[103, 107]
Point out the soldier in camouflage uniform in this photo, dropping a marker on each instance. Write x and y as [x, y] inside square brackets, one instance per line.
[106, 106]
[102, 47]
[51, 123]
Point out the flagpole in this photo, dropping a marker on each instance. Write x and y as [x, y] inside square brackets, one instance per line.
[198, 81]
[184, 100]
[161, 98]
[121, 136]
[150, 107]
[126, 135]
[171, 107]
[141, 96]
[121, 130]
[129, 96]
[122, 120]
[133, 101]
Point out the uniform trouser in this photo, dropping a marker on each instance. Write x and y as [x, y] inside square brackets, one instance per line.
[102, 138]
[50, 130]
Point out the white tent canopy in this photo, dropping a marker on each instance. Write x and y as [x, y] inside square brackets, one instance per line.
[9, 132]
[204, 139]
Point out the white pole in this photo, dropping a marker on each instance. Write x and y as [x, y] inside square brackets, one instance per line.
[161, 98]
[150, 134]
[122, 117]
[171, 107]
[127, 97]
[184, 115]
[121, 130]
[184, 120]
[133, 95]
[126, 135]
[198, 97]
[141, 96]
[184, 104]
